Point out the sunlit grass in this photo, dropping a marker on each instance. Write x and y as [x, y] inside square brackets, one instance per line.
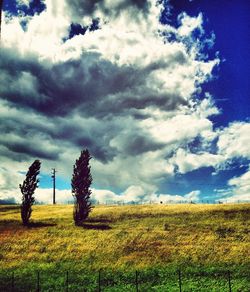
[126, 238]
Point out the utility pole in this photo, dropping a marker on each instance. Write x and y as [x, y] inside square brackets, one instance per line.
[53, 175]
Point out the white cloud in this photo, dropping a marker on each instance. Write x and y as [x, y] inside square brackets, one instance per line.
[46, 196]
[179, 128]
[193, 196]
[133, 194]
[138, 195]
[238, 189]
[189, 24]
[234, 141]
[186, 161]
[237, 198]
[241, 182]
[9, 182]
[44, 33]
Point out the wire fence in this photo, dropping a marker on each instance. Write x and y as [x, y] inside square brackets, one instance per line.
[153, 202]
[178, 281]
[168, 202]
[138, 202]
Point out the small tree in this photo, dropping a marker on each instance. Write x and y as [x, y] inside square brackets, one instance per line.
[81, 181]
[28, 188]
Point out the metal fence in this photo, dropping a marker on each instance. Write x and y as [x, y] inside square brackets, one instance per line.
[178, 281]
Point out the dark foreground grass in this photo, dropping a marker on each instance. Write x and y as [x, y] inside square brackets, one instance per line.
[69, 278]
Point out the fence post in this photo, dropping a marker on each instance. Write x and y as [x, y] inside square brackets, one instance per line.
[229, 281]
[136, 281]
[99, 281]
[38, 281]
[67, 281]
[12, 282]
[179, 277]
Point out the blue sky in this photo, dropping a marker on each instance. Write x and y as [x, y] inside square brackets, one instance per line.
[230, 22]
[128, 110]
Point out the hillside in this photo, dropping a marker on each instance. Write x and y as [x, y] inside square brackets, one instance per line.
[127, 238]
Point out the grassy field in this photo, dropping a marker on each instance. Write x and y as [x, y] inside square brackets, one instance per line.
[204, 241]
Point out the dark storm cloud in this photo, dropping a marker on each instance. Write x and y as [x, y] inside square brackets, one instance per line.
[26, 147]
[91, 86]
[151, 99]
[32, 150]
[85, 133]
[49, 96]
[65, 87]
[48, 138]
[135, 144]
[7, 153]
[81, 8]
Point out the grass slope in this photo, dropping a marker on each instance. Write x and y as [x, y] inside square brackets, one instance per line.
[157, 240]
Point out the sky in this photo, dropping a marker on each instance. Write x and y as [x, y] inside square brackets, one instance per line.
[157, 91]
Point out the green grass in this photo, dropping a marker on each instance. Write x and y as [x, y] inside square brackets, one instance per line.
[204, 241]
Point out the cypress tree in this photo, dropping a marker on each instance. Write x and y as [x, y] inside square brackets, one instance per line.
[80, 183]
[28, 189]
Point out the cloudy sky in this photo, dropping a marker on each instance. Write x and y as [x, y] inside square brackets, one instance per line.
[157, 91]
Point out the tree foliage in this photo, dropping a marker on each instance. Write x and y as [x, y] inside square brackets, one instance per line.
[81, 181]
[28, 189]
